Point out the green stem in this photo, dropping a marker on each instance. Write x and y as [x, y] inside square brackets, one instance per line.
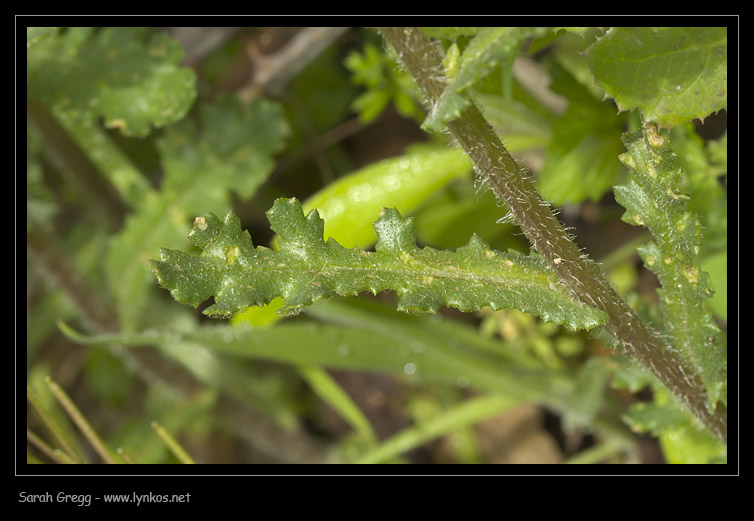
[547, 234]
[56, 455]
[178, 451]
[80, 170]
[597, 454]
[67, 448]
[81, 422]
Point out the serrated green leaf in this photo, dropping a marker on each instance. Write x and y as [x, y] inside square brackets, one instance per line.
[683, 440]
[349, 204]
[367, 67]
[134, 84]
[233, 152]
[652, 198]
[384, 83]
[673, 74]
[306, 269]
[490, 48]
[709, 198]
[717, 267]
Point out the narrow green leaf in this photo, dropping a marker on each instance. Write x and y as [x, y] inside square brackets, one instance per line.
[652, 198]
[365, 344]
[306, 269]
[333, 394]
[463, 415]
[233, 152]
[673, 74]
[103, 450]
[66, 447]
[172, 444]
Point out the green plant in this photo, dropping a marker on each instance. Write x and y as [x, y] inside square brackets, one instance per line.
[353, 234]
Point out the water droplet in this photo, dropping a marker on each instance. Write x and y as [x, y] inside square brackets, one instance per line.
[361, 193]
[392, 183]
[409, 368]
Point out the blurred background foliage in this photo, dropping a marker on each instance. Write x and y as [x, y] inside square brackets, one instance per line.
[133, 132]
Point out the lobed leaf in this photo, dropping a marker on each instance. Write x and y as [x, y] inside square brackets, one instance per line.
[652, 198]
[673, 74]
[133, 82]
[306, 269]
[234, 151]
[384, 81]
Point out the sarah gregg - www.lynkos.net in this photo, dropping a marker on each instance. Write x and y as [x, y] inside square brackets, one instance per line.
[85, 500]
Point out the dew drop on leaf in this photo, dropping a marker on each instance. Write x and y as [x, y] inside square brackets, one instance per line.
[409, 368]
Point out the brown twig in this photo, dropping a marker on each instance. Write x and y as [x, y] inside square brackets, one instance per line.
[273, 72]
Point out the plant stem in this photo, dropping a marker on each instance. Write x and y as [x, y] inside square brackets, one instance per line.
[579, 274]
[597, 454]
[80, 171]
[81, 422]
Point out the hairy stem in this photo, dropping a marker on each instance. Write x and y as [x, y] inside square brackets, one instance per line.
[579, 274]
